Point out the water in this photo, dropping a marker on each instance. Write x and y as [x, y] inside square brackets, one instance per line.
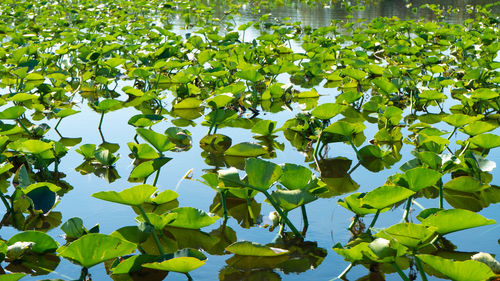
[328, 221]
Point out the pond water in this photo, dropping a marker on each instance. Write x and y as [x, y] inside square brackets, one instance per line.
[328, 221]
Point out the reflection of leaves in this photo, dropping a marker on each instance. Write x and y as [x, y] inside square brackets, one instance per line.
[246, 215]
[35, 265]
[304, 255]
[233, 274]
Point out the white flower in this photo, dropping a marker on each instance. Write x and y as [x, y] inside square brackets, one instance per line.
[489, 260]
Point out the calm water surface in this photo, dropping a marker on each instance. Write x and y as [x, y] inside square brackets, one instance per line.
[328, 221]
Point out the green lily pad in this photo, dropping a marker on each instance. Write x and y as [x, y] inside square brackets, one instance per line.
[133, 196]
[458, 270]
[353, 203]
[12, 276]
[459, 120]
[487, 141]
[345, 128]
[408, 234]
[145, 169]
[295, 176]
[246, 149]
[262, 174]
[478, 127]
[246, 248]
[419, 178]
[385, 196]
[12, 112]
[94, 248]
[465, 184]
[158, 221]
[327, 111]
[188, 103]
[42, 243]
[191, 218]
[181, 264]
[448, 221]
[291, 199]
[157, 140]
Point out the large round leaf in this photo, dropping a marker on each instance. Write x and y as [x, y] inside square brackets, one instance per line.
[192, 218]
[448, 221]
[262, 174]
[459, 270]
[419, 178]
[295, 176]
[465, 184]
[94, 248]
[486, 141]
[409, 234]
[133, 196]
[43, 243]
[246, 149]
[159, 141]
[385, 196]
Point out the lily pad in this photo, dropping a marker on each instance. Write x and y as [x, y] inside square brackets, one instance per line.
[448, 221]
[246, 248]
[42, 243]
[94, 248]
[191, 218]
[385, 196]
[262, 174]
[409, 234]
[133, 196]
[458, 270]
[246, 149]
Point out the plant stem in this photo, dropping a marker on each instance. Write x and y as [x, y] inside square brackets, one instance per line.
[441, 201]
[55, 128]
[354, 221]
[420, 269]
[374, 219]
[317, 145]
[188, 276]
[6, 203]
[100, 121]
[156, 177]
[346, 270]
[407, 209]
[355, 150]
[83, 274]
[400, 272]
[304, 218]
[155, 236]
[24, 127]
[224, 207]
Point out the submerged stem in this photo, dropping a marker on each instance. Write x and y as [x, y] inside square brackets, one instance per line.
[407, 209]
[400, 272]
[304, 218]
[155, 236]
[420, 269]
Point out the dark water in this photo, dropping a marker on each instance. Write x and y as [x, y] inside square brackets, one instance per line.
[328, 221]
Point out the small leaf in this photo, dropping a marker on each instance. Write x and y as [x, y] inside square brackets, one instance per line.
[419, 178]
[487, 141]
[246, 149]
[465, 184]
[42, 243]
[262, 174]
[385, 196]
[246, 248]
[458, 270]
[191, 218]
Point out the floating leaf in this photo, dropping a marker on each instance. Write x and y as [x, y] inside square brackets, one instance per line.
[385, 196]
[191, 218]
[262, 174]
[42, 243]
[145, 169]
[159, 141]
[12, 112]
[94, 248]
[419, 178]
[487, 141]
[246, 149]
[345, 128]
[295, 176]
[181, 264]
[465, 184]
[327, 111]
[246, 248]
[133, 196]
[448, 221]
[409, 234]
[458, 270]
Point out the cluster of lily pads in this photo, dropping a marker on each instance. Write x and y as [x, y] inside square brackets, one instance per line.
[425, 88]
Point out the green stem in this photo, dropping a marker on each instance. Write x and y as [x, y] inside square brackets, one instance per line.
[451, 134]
[400, 272]
[156, 177]
[304, 218]
[317, 145]
[465, 149]
[100, 121]
[374, 219]
[274, 204]
[6, 203]
[24, 127]
[407, 209]
[441, 201]
[354, 221]
[188, 276]
[55, 128]
[355, 150]
[224, 207]
[346, 270]
[155, 236]
[420, 269]
[83, 274]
